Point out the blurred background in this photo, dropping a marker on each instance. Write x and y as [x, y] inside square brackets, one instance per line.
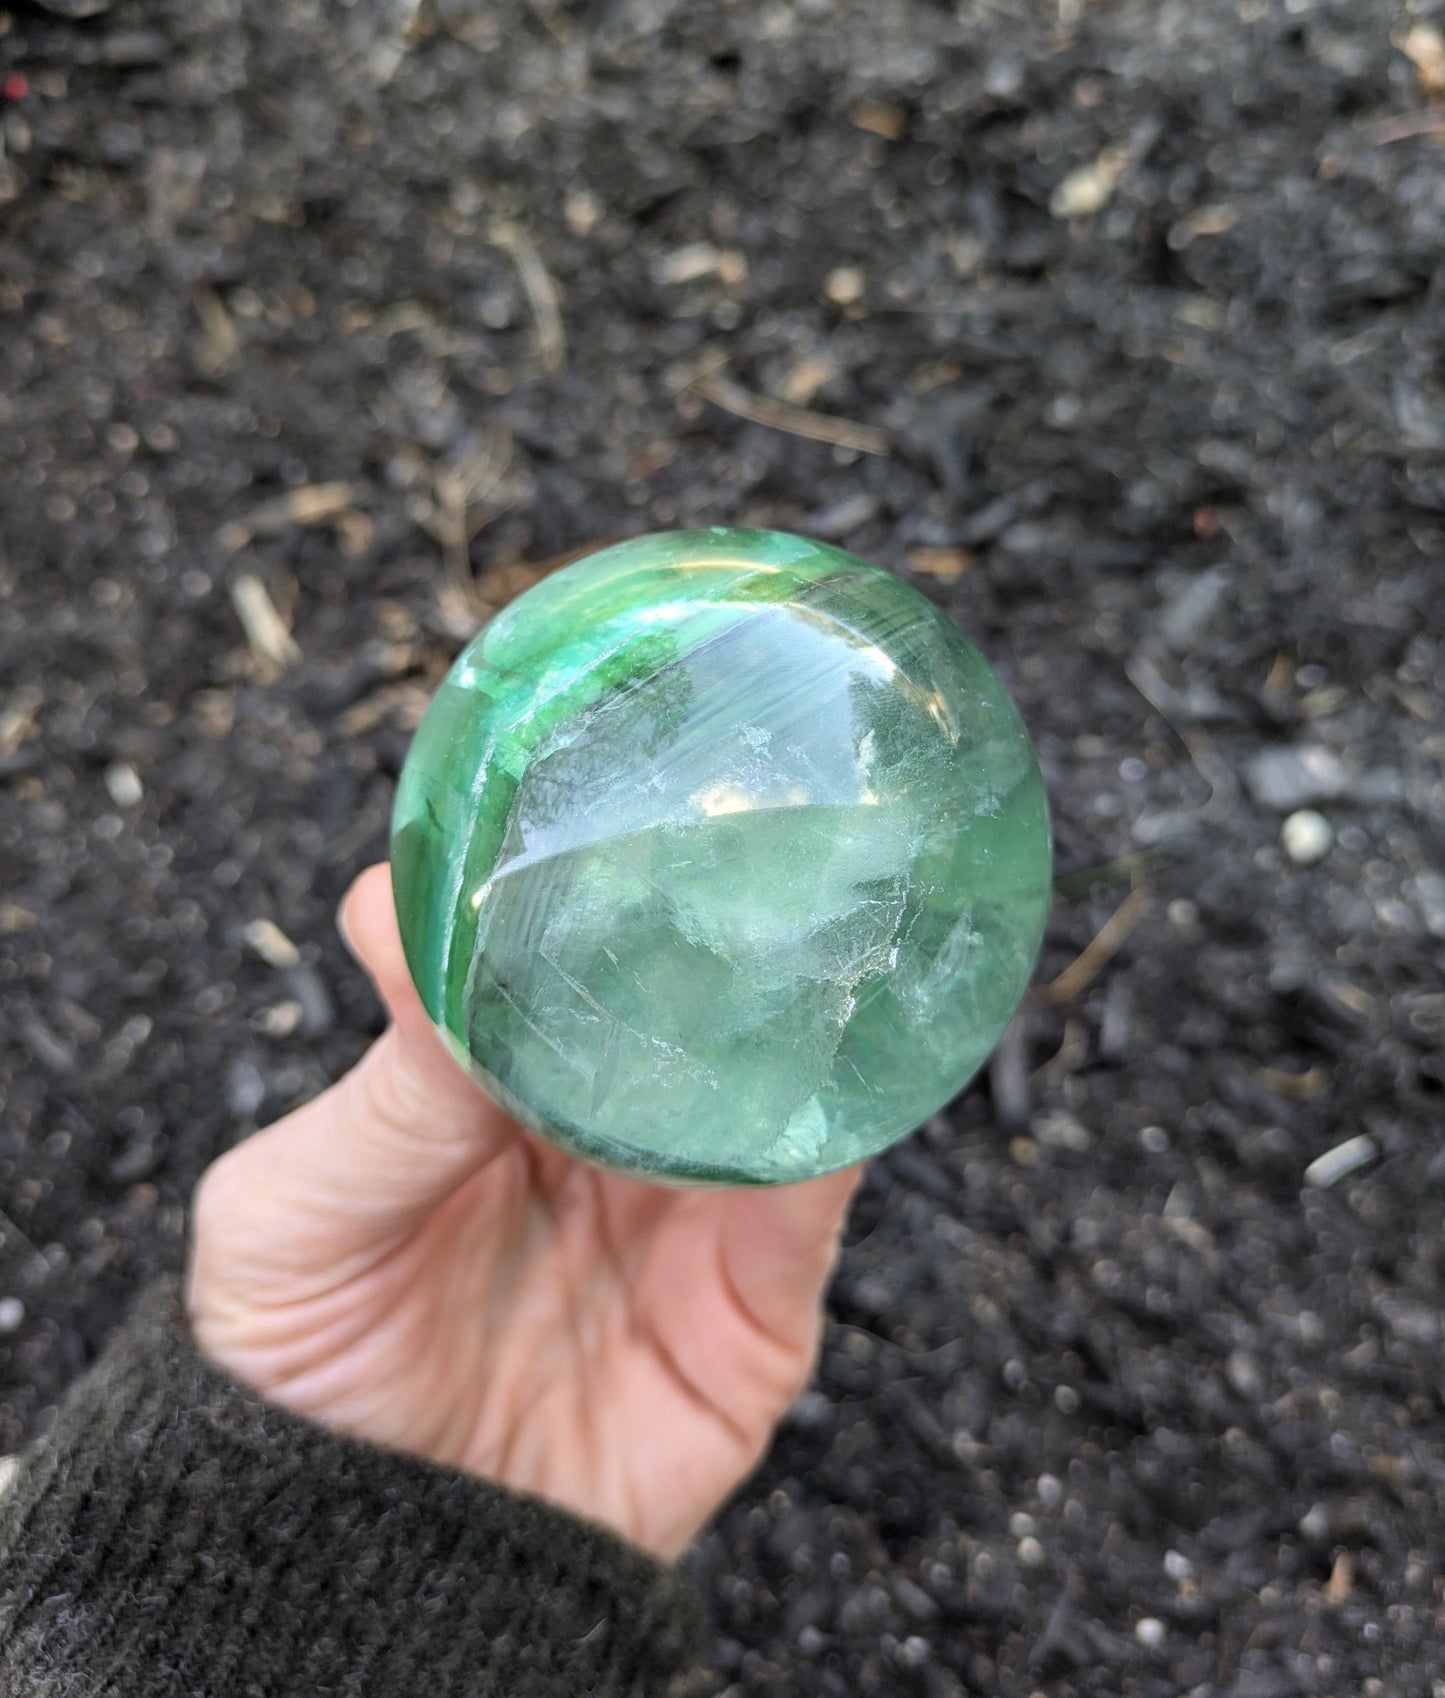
[1116, 328]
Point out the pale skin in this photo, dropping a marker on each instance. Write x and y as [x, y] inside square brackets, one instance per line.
[400, 1261]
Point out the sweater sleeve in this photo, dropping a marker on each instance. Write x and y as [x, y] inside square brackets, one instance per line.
[176, 1535]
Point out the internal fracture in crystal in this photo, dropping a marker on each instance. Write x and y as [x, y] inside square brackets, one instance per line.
[721, 856]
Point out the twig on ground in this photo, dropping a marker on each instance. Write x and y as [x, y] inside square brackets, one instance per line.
[540, 290]
[458, 486]
[309, 504]
[784, 416]
[1108, 940]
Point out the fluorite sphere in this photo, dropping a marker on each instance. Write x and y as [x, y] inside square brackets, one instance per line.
[721, 857]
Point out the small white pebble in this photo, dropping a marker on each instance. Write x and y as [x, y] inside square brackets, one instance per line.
[1150, 1631]
[1307, 837]
[1030, 1553]
[123, 782]
[844, 286]
[1154, 1139]
[913, 1652]
[1178, 1566]
[582, 212]
[9, 1468]
[1021, 1524]
[12, 1313]
[1051, 1491]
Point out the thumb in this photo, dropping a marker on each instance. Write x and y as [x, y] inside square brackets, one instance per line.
[778, 1248]
[393, 1138]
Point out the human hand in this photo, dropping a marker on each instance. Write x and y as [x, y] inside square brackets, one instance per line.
[401, 1261]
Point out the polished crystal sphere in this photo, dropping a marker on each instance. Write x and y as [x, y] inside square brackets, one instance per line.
[721, 857]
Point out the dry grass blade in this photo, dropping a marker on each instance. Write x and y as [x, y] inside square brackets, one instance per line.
[782, 415]
[270, 641]
[1086, 967]
[541, 292]
[458, 486]
[1405, 126]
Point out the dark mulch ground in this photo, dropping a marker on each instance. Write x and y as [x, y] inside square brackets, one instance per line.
[1147, 300]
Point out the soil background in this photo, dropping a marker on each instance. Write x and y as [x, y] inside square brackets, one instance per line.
[326, 328]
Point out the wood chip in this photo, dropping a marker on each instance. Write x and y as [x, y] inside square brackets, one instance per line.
[879, 119]
[271, 944]
[1424, 47]
[698, 260]
[945, 564]
[310, 504]
[796, 421]
[806, 378]
[219, 342]
[313, 502]
[354, 532]
[280, 1020]
[265, 629]
[1304, 1087]
[16, 720]
[1203, 221]
[1090, 188]
[403, 703]
[406, 25]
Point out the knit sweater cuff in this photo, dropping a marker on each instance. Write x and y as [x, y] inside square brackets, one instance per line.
[175, 1534]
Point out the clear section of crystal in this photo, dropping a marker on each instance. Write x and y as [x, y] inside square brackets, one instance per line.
[724, 856]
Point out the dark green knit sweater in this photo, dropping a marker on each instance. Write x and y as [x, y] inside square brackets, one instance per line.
[176, 1537]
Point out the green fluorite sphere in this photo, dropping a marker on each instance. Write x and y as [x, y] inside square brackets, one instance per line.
[721, 856]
